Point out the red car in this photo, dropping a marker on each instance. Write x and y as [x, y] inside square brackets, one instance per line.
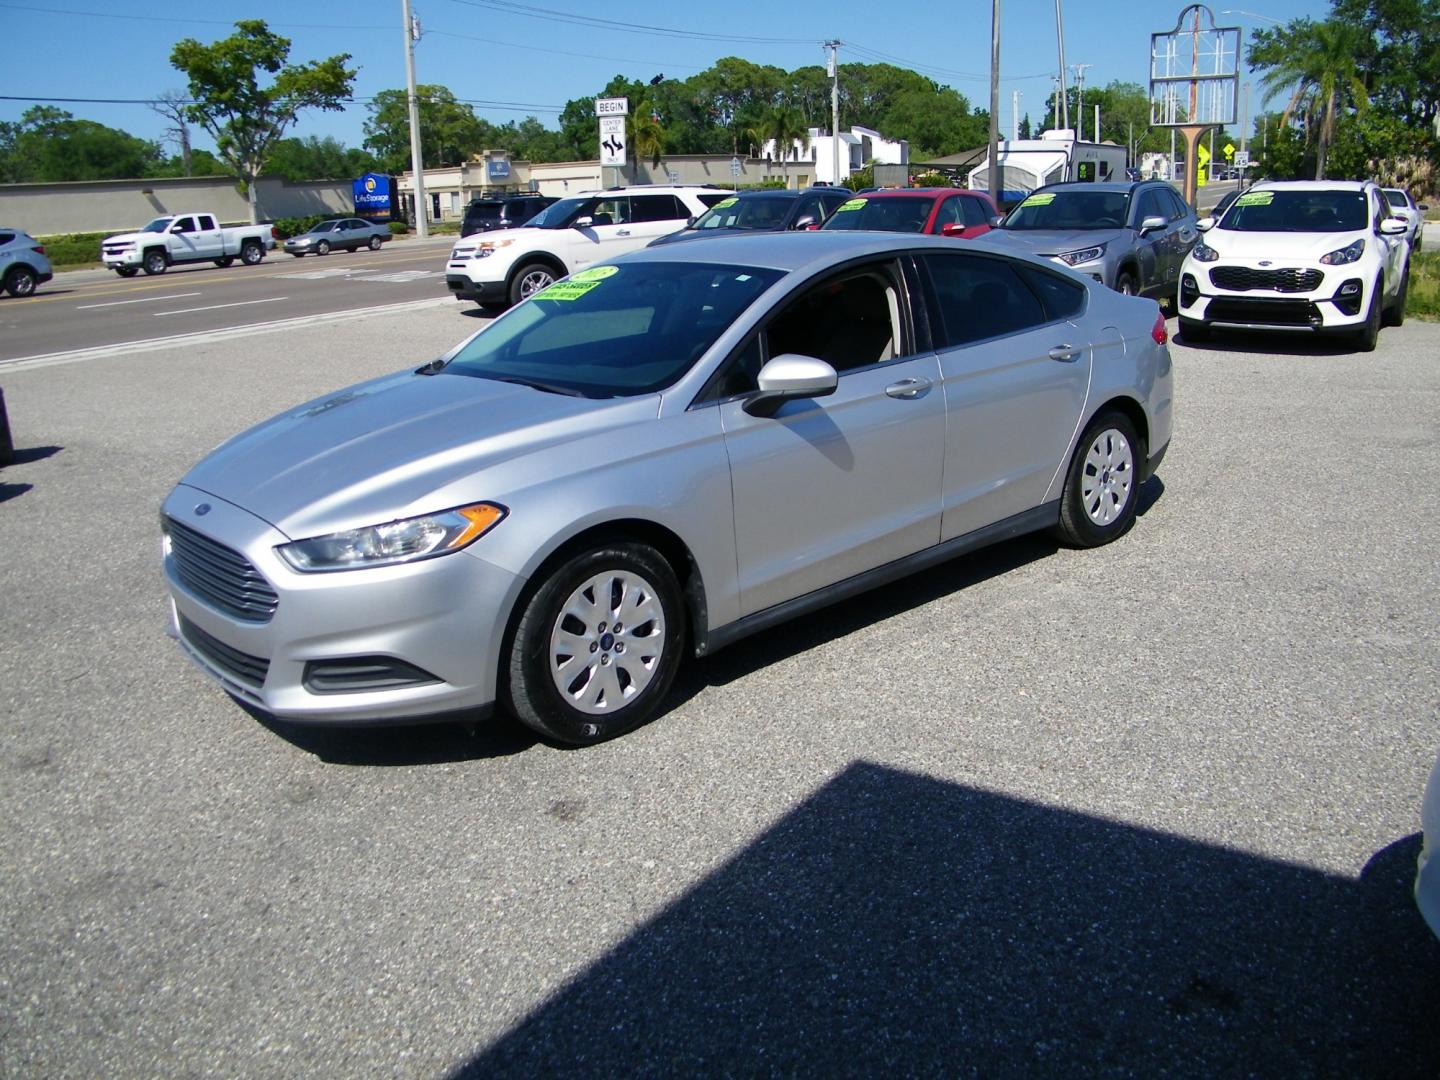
[939, 211]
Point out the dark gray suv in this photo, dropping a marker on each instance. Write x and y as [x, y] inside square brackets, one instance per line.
[1130, 236]
[502, 212]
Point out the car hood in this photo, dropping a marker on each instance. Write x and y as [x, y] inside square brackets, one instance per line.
[132, 238]
[1277, 245]
[388, 448]
[1052, 241]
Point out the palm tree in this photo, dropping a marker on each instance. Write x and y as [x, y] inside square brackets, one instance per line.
[1320, 72]
[645, 132]
[786, 127]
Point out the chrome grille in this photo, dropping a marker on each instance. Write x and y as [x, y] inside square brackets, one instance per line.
[219, 575]
[1244, 278]
[242, 667]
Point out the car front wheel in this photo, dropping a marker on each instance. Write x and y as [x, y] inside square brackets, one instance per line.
[1369, 333]
[597, 645]
[1102, 483]
[530, 279]
[322, 248]
[374, 243]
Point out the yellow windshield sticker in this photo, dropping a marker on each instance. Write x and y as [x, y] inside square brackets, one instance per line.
[1045, 198]
[566, 290]
[853, 204]
[1255, 198]
[595, 273]
[723, 203]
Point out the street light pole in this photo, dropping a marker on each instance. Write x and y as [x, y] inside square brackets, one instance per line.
[417, 164]
[834, 113]
[996, 182]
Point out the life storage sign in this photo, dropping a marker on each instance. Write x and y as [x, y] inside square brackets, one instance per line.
[375, 197]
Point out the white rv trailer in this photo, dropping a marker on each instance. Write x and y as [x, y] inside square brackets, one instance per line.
[1054, 157]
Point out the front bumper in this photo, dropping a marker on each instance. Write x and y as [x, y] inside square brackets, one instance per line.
[1299, 296]
[112, 259]
[384, 645]
[482, 292]
[298, 249]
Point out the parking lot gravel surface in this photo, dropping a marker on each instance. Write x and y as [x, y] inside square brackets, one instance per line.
[1149, 809]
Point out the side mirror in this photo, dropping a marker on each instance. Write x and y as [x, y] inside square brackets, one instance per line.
[1393, 226]
[952, 228]
[997, 221]
[691, 220]
[787, 377]
[1424, 206]
[1205, 224]
[805, 221]
[584, 222]
[1150, 224]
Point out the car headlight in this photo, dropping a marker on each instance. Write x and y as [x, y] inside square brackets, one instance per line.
[1350, 253]
[395, 541]
[1084, 255]
[1203, 252]
[489, 247]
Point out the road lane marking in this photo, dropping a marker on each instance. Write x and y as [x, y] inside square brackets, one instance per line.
[216, 307]
[142, 300]
[203, 337]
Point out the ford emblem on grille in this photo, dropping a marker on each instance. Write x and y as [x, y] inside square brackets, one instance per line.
[202, 509]
[1264, 262]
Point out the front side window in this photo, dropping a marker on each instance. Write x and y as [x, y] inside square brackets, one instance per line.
[1271, 210]
[980, 298]
[1070, 209]
[614, 331]
[184, 225]
[1397, 198]
[753, 212]
[1149, 207]
[975, 211]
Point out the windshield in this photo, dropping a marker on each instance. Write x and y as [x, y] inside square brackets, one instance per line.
[560, 214]
[160, 224]
[1070, 210]
[894, 213]
[324, 226]
[614, 331]
[1297, 211]
[753, 212]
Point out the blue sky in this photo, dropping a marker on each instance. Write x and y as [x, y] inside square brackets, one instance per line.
[121, 48]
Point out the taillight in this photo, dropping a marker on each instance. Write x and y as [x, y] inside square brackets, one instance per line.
[39, 249]
[1158, 331]
[273, 234]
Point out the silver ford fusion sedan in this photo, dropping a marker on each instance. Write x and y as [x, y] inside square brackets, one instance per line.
[657, 455]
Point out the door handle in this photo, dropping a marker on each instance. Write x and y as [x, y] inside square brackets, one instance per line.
[1064, 352]
[622, 232]
[907, 388]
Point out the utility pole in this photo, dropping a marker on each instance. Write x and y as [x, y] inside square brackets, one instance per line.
[417, 164]
[996, 182]
[834, 74]
[1244, 114]
[1015, 97]
[1062, 112]
[1080, 105]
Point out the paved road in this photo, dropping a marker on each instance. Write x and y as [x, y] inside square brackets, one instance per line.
[1146, 810]
[86, 309]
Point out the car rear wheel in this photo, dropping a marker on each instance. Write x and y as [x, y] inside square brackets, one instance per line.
[20, 281]
[251, 253]
[1102, 483]
[1125, 283]
[597, 646]
[1369, 334]
[1396, 315]
[322, 248]
[530, 279]
[374, 243]
[155, 262]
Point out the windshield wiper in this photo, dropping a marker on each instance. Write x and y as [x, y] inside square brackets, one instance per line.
[536, 384]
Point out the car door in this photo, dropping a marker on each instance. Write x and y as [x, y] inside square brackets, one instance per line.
[181, 241]
[830, 487]
[654, 215]
[1015, 371]
[207, 237]
[1395, 249]
[1154, 251]
[609, 233]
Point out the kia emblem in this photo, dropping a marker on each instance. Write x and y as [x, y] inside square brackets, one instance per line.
[202, 509]
[1264, 262]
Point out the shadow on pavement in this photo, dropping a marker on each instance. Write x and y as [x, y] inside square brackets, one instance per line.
[1301, 345]
[410, 744]
[34, 453]
[893, 924]
[11, 491]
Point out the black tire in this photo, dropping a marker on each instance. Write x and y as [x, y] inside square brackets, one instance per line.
[224, 261]
[1368, 336]
[298, 254]
[1102, 484]
[251, 252]
[531, 687]
[322, 248]
[1395, 314]
[155, 262]
[1125, 283]
[1193, 330]
[375, 243]
[20, 281]
[127, 271]
[530, 279]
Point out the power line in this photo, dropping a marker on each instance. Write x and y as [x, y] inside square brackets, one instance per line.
[184, 19]
[562, 52]
[551, 15]
[516, 106]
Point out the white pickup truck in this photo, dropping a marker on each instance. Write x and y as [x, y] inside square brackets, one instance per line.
[182, 238]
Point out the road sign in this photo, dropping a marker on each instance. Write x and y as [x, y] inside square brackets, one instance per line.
[612, 140]
[734, 166]
[672, 176]
[612, 106]
[1242, 159]
[1202, 155]
[1229, 151]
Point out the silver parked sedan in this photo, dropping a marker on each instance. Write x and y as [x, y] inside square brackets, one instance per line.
[656, 455]
[343, 234]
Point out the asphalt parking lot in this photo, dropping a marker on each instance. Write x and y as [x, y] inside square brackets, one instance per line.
[1148, 809]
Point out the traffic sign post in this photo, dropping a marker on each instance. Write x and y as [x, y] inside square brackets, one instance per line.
[612, 113]
[1194, 79]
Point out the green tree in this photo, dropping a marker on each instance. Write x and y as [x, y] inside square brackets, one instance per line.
[1318, 65]
[644, 131]
[785, 127]
[247, 119]
[450, 132]
[314, 158]
[50, 145]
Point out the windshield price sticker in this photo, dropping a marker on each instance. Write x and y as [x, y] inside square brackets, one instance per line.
[853, 204]
[1255, 198]
[566, 290]
[1043, 199]
[595, 273]
[723, 203]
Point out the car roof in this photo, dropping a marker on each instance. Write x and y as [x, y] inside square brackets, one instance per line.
[1314, 185]
[1103, 185]
[931, 192]
[789, 251]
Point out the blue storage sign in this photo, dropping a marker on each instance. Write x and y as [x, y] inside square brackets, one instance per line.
[498, 169]
[375, 197]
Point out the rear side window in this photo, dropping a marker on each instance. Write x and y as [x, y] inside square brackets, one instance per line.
[1062, 298]
[206, 222]
[656, 208]
[979, 298]
[6, 237]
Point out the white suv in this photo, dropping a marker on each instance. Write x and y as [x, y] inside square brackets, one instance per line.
[497, 269]
[1317, 255]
